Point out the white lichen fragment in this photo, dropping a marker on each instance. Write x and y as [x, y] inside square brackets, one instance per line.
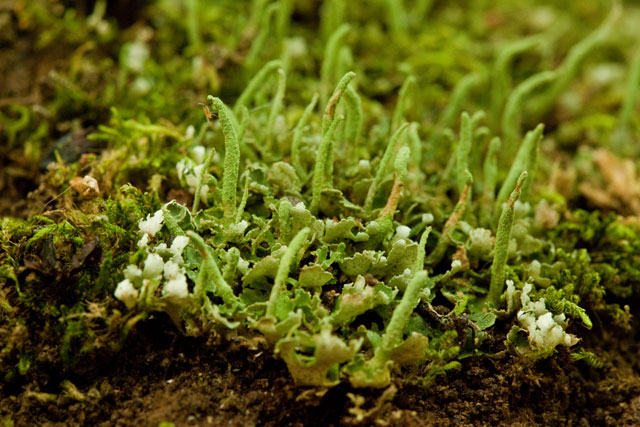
[172, 270]
[199, 153]
[176, 288]
[546, 331]
[177, 246]
[480, 243]
[243, 265]
[127, 293]
[133, 273]
[153, 266]
[511, 294]
[402, 232]
[152, 224]
[190, 175]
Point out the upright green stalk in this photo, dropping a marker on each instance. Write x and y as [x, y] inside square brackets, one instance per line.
[193, 26]
[323, 170]
[331, 59]
[459, 95]
[257, 10]
[490, 179]
[416, 146]
[401, 167]
[514, 107]
[396, 17]
[332, 14]
[394, 330]
[283, 270]
[422, 250]
[203, 176]
[283, 19]
[255, 83]
[210, 266]
[353, 125]
[330, 109]
[526, 159]
[501, 249]
[631, 93]
[458, 211]
[570, 66]
[463, 150]
[501, 73]
[243, 201]
[321, 179]
[404, 102]
[296, 161]
[231, 158]
[260, 41]
[327, 122]
[382, 167]
[276, 106]
[284, 220]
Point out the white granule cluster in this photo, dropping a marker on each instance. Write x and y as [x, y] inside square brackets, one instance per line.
[481, 242]
[127, 293]
[177, 246]
[546, 331]
[152, 224]
[161, 265]
[402, 232]
[153, 266]
[176, 282]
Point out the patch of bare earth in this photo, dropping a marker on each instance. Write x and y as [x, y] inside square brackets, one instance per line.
[161, 376]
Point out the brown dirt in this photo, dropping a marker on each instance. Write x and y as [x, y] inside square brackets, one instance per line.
[162, 376]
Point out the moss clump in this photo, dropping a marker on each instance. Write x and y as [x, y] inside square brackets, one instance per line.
[379, 233]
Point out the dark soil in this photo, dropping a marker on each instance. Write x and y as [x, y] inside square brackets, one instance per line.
[161, 376]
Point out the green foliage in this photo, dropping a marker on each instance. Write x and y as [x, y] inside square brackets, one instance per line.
[382, 170]
[503, 238]
[589, 358]
[350, 224]
[231, 158]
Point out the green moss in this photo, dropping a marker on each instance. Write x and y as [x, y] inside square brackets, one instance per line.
[325, 233]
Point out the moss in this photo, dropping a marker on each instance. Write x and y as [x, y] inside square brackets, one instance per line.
[331, 202]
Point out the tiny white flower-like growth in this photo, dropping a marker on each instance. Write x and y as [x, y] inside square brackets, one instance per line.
[176, 289]
[402, 232]
[177, 246]
[176, 286]
[190, 175]
[546, 331]
[152, 224]
[243, 265]
[126, 293]
[153, 266]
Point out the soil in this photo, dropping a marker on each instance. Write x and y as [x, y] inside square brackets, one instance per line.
[161, 376]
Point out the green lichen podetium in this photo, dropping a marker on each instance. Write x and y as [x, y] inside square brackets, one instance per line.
[376, 372]
[283, 270]
[526, 159]
[323, 170]
[210, 267]
[255, 83]
[296, 161]
[503, 237]
[391, 149]
[231, 158]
